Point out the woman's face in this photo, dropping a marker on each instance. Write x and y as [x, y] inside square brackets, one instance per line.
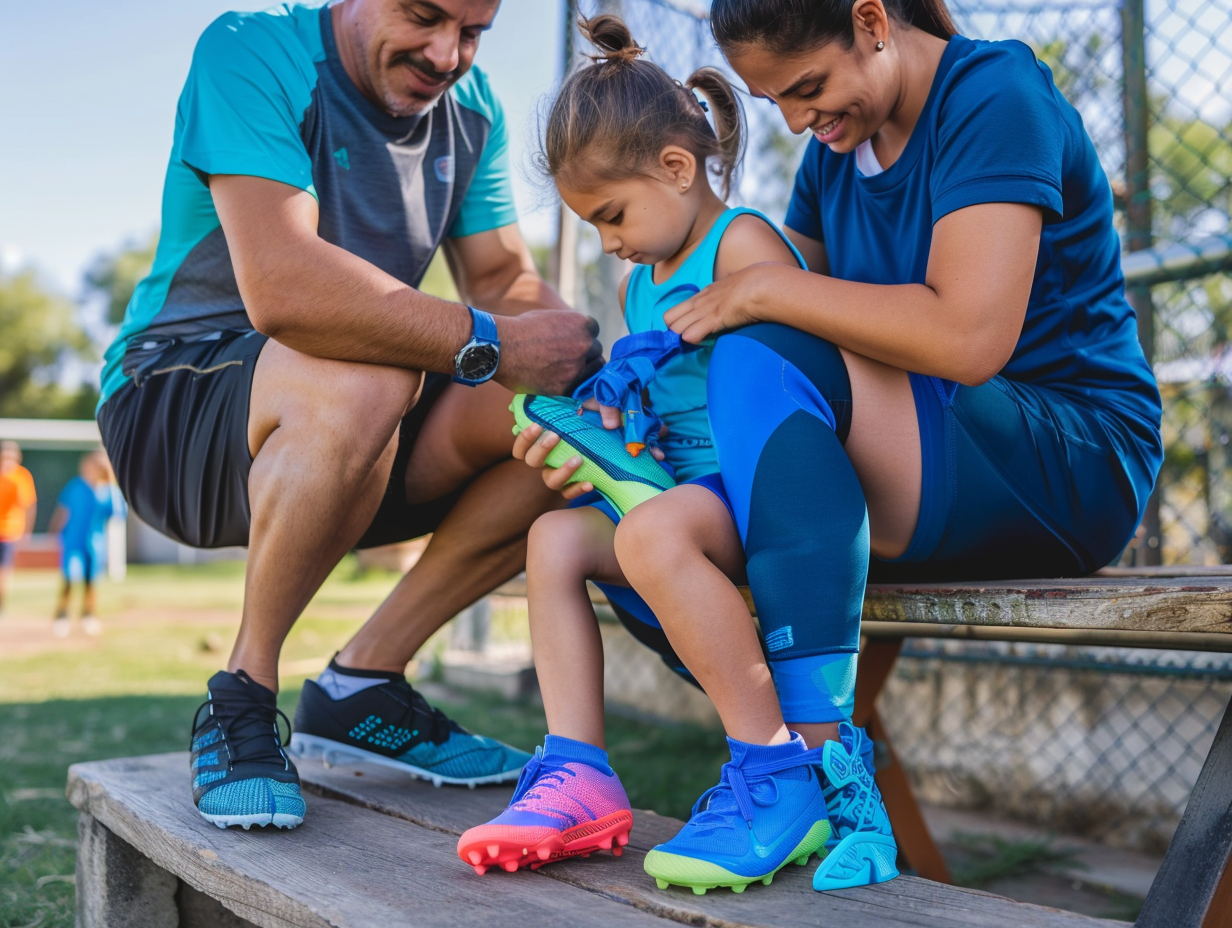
[843, 96]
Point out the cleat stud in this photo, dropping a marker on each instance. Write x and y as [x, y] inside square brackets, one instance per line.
[543, 853]
[436, 781]
[480, 869]
[802, 861]
[768, 880]
[510, 865]
[699, 890]
[587, 854]
[740, 887]
[468, 785]
[493, 850]
[606, 844]
[622, 839]
[474, 857]
[662, 884]
[617, 851]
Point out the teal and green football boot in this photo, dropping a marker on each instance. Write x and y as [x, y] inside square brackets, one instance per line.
[623, 479]
[768, 810]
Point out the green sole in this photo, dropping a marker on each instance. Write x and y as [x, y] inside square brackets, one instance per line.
[700, 875]
[622, 494]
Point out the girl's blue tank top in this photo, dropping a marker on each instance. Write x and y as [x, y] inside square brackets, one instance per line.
[678, 391]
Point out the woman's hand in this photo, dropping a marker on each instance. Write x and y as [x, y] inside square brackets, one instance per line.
[725, 304]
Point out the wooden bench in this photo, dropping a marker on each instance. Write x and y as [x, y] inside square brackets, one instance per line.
[378, 850]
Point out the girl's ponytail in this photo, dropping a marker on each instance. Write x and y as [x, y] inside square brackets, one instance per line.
[728, 117]
[612, 38]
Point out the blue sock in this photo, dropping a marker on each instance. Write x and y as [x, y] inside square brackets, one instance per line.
[561, 749]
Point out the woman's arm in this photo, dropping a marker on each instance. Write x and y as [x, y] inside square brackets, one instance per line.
[961, 324]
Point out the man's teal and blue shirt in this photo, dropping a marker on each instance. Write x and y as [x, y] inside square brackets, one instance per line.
[267, 96]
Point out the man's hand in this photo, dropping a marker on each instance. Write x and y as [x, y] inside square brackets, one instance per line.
[547, 351]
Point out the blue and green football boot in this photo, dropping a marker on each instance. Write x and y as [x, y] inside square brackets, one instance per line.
[622, 479]
[768, 810]
[865, 851]
[241, 775]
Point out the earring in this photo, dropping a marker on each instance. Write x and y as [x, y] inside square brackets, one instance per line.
[880, 46]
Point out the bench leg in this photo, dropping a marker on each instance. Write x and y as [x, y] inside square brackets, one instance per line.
[1193, 888]
[117, 885]
[915, 843]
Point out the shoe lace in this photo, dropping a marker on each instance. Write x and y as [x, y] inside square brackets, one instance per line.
[244, 726]
[431, 722]
[742, 787]
[538, 774]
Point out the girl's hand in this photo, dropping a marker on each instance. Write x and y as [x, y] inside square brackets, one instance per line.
[533, 445]
[725, 304]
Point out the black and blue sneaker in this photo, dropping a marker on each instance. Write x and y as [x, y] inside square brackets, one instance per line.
[241, 775]
[390, 724]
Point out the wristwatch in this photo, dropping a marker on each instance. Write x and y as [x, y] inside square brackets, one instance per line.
[477, 360]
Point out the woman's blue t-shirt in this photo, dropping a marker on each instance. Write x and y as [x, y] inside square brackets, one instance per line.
[995, 129]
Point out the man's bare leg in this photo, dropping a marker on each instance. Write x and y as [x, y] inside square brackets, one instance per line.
[479, 545]
[323, 436]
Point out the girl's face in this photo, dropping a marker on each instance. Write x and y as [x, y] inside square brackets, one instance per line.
[843, 96]
[641, 219]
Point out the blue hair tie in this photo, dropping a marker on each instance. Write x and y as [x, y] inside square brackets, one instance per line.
[701, 103]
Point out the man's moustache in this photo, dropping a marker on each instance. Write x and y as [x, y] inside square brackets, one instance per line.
[425, 69]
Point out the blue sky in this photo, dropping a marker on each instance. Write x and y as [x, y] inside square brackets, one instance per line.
[87, 107]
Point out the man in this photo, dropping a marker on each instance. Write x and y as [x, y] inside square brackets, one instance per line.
[279, 382]
[18, 503]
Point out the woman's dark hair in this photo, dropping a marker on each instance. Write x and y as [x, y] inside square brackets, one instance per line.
[789, 26]
[613, 117]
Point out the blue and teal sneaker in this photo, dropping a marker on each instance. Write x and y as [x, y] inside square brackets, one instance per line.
[392, 725]
[865, 851]
[768, 810]
[622, 479]
[241, 776]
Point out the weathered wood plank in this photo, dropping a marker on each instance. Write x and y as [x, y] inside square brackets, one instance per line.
[346, 867]
[1168, 604]
[1188, 600]
[789, 903]
[117, 884]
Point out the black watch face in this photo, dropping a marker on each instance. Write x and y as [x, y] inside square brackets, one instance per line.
[478, 362]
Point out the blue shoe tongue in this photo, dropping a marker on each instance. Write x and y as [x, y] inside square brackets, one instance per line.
[241, 684]
[747, 755]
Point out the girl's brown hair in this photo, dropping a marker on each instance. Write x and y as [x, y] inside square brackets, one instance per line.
[788, 27]
[613, 117]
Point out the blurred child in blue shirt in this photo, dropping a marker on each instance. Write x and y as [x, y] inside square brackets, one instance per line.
[83, 509]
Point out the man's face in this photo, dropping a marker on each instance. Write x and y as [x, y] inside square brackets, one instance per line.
[403, 54]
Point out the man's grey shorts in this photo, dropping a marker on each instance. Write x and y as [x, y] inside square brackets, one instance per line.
[177, 436]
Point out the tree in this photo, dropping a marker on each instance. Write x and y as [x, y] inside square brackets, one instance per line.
[113, 276]
[39, 336]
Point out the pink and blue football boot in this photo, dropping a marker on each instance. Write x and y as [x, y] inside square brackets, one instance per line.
[568, 803]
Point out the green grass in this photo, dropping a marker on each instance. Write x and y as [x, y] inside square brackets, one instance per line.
[133, 691]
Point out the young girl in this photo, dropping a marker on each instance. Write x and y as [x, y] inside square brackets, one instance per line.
[628, 149]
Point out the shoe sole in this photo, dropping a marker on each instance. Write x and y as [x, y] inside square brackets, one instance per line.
[701, 875]
[277, 819]
[334, 753]
[860, 859]
[511, 847]
[622, 494]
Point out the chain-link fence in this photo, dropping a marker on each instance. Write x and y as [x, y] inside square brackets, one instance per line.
[1104, 742]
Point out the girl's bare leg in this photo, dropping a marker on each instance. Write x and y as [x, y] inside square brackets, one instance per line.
[681, 552]
[565, 549]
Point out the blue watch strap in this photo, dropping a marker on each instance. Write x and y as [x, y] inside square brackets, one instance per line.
[483, 326]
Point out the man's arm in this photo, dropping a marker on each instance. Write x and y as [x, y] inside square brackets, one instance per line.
[494, 270]
[324, 301]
